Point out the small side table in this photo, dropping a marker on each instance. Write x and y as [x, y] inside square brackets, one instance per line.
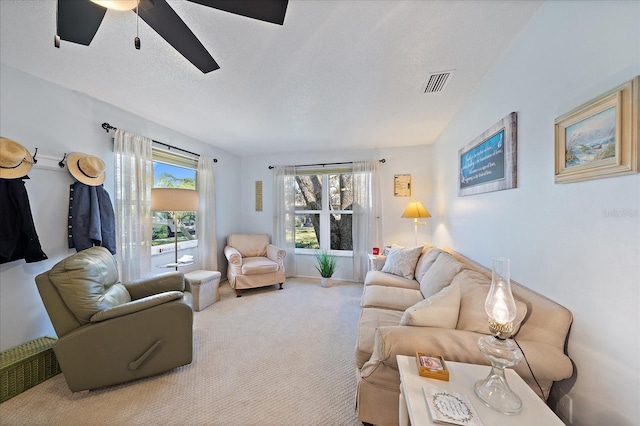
[462, 377]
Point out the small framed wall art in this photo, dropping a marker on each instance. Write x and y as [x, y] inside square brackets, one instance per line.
[402, 185]
[258, 195]
[600, 138]
[488, 163]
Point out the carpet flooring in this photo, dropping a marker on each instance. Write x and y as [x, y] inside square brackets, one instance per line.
[268, 358]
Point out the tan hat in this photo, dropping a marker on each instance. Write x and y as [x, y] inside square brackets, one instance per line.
[88, 169]
[15, 160]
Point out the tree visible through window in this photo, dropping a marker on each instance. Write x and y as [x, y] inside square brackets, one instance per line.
[168, 175]
[324, 209]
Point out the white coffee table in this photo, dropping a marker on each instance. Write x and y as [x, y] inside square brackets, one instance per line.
[462, 377]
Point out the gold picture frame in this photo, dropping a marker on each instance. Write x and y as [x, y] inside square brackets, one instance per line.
[600, 138]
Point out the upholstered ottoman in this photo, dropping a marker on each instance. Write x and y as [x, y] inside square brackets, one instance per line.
[204, 288]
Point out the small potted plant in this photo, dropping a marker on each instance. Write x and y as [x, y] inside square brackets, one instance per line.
[326, 266]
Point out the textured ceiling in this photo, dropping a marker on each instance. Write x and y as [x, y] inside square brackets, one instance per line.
[337, 75]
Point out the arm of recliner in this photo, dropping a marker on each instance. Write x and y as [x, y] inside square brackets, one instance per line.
[276, 254]
[136, 305]
[148, 286]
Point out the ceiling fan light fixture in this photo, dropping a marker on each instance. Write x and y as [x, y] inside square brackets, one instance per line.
[117, 4]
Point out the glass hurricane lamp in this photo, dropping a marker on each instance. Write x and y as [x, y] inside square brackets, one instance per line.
[500, 306]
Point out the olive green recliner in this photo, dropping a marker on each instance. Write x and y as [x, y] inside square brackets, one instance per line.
[109, 332]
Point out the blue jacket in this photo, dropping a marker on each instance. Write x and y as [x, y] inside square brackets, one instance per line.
[91, 218]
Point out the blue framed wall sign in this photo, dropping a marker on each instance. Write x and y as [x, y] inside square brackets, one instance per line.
[488, 163]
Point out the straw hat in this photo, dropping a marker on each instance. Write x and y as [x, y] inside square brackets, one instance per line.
[88, 169]
[15, 160]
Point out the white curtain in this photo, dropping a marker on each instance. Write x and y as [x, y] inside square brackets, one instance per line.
[207, 242]
[367, 214]
[284, 215]
[133, 183]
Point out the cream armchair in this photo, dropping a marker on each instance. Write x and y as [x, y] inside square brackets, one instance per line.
[109, 332]
[253, 262]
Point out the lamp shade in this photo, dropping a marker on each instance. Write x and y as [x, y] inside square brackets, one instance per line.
[174, 200]
[414, 210]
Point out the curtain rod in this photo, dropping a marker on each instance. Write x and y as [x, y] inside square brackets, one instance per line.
[325, 164]
[107, 127]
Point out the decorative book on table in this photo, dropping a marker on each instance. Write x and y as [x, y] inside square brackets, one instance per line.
[450, 407]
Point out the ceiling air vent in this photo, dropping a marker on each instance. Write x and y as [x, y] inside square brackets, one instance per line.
[437, 81]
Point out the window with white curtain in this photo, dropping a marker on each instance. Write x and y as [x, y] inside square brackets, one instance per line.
[172, 170]
[324, 211]
[338, 210]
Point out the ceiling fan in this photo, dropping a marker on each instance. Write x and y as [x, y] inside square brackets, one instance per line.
[79, 20]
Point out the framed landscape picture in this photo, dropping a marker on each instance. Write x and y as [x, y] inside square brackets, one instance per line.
[488, 163]
[600, 138]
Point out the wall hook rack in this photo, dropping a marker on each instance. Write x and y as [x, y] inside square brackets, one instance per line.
[49, 162]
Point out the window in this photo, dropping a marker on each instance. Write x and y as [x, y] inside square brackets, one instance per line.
[172, 170]
[324, 209]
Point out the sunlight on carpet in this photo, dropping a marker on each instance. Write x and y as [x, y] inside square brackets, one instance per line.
[268, 358]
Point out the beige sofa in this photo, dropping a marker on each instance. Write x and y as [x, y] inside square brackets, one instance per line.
[449, 322]
[253, 262]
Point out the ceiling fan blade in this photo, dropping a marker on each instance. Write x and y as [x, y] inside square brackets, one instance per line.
[79, 20]
[264, 10]
[166, 22]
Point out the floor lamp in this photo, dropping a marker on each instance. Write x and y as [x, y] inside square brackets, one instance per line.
[415, 210]
[174, 200]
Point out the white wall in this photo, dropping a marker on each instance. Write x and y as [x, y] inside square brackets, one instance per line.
[561, 241]
[39, 114]
[414, 160]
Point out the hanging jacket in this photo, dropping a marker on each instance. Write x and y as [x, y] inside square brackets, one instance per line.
[18, 237]
[91, 218]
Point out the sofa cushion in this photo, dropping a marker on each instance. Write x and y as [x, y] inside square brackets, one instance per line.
[376, 296]
[258, 266]
[381, 278]
[439, 275]
[370, 319]
[440, 310]
[426, 261]
[474, 288]
[387, 249]
[376, 263]
[402, 261]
